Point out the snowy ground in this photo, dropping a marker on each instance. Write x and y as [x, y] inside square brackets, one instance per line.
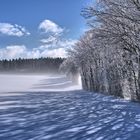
[17, 83]
[66, 115]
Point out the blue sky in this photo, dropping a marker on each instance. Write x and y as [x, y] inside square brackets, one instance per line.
[21, 30]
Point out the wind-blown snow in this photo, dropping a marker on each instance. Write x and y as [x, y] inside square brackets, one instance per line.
[11, 83]
[14, 83]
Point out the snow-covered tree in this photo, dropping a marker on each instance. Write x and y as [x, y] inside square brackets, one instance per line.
[108, 55]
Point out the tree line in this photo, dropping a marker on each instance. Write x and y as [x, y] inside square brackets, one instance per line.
[108, 54]
[46, 65]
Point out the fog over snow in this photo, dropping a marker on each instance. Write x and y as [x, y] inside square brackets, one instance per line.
[14, 83]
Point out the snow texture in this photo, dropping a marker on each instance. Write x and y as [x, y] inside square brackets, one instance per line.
[66, 115]
[14, 83]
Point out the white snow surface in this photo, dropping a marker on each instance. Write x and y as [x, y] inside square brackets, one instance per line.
[79, 115]
[14, 83]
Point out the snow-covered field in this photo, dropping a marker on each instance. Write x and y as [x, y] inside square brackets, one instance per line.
[68, 115]
[17, 83]
[49, 108]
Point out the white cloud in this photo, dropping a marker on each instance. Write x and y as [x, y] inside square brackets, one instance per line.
[58, 44]
[54, 42]
[21, 51]
[50, 39]
[59, 52]
[49, 26]
[67, 43]
[46, 50]
[13, 30]
[54, 45]
[11, 52]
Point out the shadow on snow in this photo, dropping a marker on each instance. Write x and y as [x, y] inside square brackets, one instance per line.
[76, 115]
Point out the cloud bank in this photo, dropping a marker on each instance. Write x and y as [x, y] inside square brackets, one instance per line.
[21, 51]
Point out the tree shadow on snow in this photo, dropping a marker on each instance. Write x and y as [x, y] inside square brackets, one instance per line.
[68, 115]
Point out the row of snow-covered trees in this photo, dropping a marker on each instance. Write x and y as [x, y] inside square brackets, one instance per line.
[108, 54]
[31, 65]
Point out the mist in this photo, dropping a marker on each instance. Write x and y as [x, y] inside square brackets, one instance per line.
[21, 82]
